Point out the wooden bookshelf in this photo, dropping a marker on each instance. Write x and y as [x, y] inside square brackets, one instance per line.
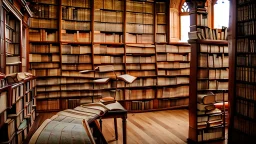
[18, 110]
[209, 73]
[119, 33]
[242, 69]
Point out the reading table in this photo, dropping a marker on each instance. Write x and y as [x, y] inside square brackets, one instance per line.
[117, 113]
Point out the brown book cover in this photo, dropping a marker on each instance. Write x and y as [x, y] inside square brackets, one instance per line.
[206, 98]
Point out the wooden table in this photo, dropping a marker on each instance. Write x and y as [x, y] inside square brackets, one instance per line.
[116, 114]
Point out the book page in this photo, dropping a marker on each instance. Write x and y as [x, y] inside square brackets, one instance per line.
[127, 78]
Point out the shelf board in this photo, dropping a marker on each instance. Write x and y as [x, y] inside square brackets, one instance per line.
[110, 10]
[171, 98]
[109, 43]
[108, 22]
[44, 42]
[173, 68]
[42, 3]
[75, 43]
[209, 42]
[173, 85]
[181, 53]
[76, 20]
[80, 7]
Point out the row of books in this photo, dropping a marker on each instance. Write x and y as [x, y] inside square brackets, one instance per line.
[246, 12]
[244, 60]
[140, 105]
[75, 25]
[173, 57]
[139, 94]
[46, 11]
[213, 73]
[140, 28]
[44, 65]
[46, 72]
[139, 38]
[174, 72]
[213, 48]
[108, 27]
[169, 92]
[46, 2]
[213, 60]
[245, 45]
[76, 3]
[139, 18]
[169, 103]
[245, 74]
[172, 49]
[43, 35]
[212, 85]
[76, 59]
[173, 65]
[44, 23]
[108, 4]
[140, 66]
[79, 14]
[44, 58]
[108, 59]
[43, 48]
[245, 108]
[100, 36]
[75, 49]
[208, 33]
[75, 36]
[140, 59]
[106, 49]
[172, 81]
[143, 7]
[108, 16]
[246, 91]
[246, 28]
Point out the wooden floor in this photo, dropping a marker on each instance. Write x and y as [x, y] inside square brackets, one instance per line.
[160, 127]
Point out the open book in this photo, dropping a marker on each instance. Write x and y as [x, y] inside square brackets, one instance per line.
[112, 106]
[127, 78]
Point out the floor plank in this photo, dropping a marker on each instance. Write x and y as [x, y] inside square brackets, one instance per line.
[159, 127]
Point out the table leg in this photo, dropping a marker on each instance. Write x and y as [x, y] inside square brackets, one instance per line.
[100, 120]
[115, 125]
[124, 130]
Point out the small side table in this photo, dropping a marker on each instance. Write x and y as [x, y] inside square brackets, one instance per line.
[122, 113]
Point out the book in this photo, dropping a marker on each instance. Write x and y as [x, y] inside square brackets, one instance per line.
[102, 80]
[215, 123]
[107, 100]
[13, 60]
[206, 98]
[214, 111]
[105, 68]
[220, 105]
[3, 101]
[127, 78]
[203, 107]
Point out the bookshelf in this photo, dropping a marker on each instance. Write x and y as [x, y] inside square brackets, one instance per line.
[242, 69]
[115, 32]
[209, 77]
[18, 110]
[140, 21]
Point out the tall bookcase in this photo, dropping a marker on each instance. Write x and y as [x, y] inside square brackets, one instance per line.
[209, 73]
[125, 34]
[242, 72]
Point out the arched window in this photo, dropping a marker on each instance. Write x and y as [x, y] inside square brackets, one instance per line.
[221, 13]
[184, 22]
